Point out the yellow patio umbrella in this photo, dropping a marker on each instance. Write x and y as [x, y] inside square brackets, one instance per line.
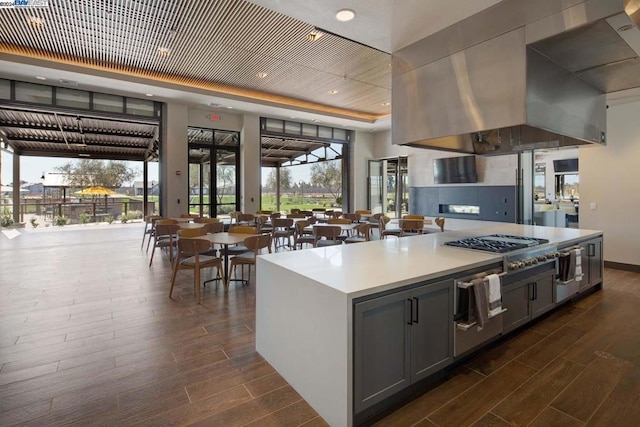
[96, 190]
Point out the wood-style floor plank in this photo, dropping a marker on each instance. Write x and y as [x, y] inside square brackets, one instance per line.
[88, 336]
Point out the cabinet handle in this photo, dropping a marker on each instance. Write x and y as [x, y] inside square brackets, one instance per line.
[535, 291]
[417, 315]
[530, 290]
[591, 249]
[410, 322]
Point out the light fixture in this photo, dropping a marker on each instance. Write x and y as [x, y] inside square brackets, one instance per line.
[149, 94]
[214, 105]
[41, 78]
[345, 15]
[314, 35]
[333, 92]
[84, 155]
[386, 104]
[35, 22]
[163, 51]
[624, 28]
[230, 107]
[261, 75]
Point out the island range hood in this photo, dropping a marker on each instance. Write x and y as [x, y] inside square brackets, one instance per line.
[520, 75]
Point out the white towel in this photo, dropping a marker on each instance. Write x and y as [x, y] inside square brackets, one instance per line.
[495, 295]
[578, 270]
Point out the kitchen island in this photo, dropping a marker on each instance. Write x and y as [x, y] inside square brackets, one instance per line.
[306, 303]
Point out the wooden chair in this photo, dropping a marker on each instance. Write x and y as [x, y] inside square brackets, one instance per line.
[233, 217]
[294, 211]
[353, 217]
[326, 235]
[206, 220]
[246, 219]
[264, 212]
[384, 231]
[211, 225]
[282, 229]
[363, 234]
[261, 221]
[255, 244]
[165, 236]
[190, 256]
[413, 216]
[189, 215]
[411, 227]
[300, 237]
[149, 224]
[298, 215]
[440, 222]
[241, 229]
[185, 233]
[363, 211]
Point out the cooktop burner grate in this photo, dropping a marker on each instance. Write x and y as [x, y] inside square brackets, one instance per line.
[499, 243]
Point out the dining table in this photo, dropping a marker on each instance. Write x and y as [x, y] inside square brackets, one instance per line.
[396, 223]
[190, 225]
[225, 239]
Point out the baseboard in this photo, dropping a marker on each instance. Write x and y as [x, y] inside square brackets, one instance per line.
[622, 266]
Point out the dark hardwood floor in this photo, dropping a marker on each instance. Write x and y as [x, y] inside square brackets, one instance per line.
[88, 336]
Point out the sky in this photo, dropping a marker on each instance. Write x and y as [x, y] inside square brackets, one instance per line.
[32, 168]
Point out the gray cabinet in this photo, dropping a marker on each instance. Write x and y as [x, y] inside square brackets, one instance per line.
[592, 263]
[399, 339]
[526, 299]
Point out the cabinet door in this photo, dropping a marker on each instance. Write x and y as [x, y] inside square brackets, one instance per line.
[431, 329]
[515, 298]
[381, 348]
[594, 256]
[542, 298]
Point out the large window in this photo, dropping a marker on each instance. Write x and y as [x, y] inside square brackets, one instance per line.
[568, 186]
[214, 181]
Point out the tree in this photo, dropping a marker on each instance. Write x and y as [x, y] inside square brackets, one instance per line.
[91, 172]
[328, 176]
[225, 177]
[285, 180]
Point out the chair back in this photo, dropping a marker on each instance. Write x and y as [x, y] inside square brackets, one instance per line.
[257, 243]
[353, 217]
[339, 221]
[413, 226]
[165, 221]
[295, 211]
[440, 223]
[264, 212]
[245, 218]
[166, 230]
[205, 220]
[187, 215]
[383, 220]
[233, 216]
[275, 215]
[296, 215]
[282, 223]
[326, 231]
[214, 227]
[307, 214]
[299, 227]
[364, 230]
[192, 247]
[363, 212]
[243, 229]
[191, 232]
[413, 216]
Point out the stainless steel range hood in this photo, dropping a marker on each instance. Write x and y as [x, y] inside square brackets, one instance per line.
[520, 75]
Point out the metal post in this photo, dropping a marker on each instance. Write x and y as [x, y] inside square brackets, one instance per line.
[16, 187]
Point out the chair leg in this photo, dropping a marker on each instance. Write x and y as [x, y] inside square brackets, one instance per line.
[173, 277]
[152, 252]
[149, 241]
[196, 282]
[232, 269]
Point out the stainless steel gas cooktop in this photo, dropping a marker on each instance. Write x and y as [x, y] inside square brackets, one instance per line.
[499, 243]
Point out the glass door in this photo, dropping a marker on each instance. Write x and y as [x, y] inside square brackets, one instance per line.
[376, 188]
[214, 180]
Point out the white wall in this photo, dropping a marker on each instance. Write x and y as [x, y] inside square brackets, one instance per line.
[361, 152]
[250, 164]
[609, 179]
[174, 152]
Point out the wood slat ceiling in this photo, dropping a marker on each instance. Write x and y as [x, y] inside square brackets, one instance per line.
[220, 44]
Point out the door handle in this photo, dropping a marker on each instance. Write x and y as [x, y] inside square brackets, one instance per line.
[535, 291]
[410, 322]
[591, 249]
[417, 315]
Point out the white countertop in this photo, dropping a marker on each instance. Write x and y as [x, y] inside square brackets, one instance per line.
[365, 268]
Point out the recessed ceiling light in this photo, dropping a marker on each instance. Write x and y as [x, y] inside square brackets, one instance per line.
[333, 92]
[386, 104]
[163, 51]
[261, 75]
[41, 78]
[230, 107]
[149, 94]
[35, 22]
[214, 105]
[314, 35]
[345, 15]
